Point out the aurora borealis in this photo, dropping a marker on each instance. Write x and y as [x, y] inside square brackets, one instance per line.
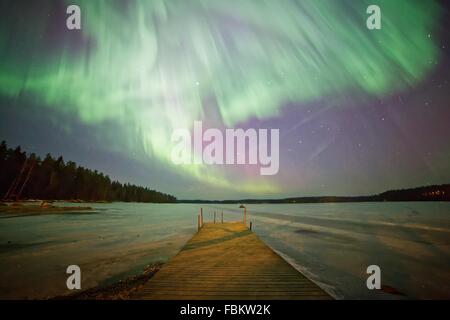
[359, 110]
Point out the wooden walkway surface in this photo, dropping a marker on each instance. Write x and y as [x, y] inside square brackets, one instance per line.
[228, 261]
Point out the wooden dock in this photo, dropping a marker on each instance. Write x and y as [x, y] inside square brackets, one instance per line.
[228, 261]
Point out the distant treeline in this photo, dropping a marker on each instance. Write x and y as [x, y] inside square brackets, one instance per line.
[25, 176]
[428, 193]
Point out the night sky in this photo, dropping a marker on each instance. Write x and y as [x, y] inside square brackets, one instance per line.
[359, 111]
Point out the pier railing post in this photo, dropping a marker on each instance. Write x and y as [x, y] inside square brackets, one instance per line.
[214, 217]
[245, 215]
[201, 217]
[250, 226]
[198, 223]
[222, 216]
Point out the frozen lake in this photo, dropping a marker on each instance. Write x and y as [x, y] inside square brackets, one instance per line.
[331, 243]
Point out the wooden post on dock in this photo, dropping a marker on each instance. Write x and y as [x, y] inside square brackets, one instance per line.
[245, 215]
[250, 226]
[214, 217]
[201, 216]
[222, 216]
[198, 223]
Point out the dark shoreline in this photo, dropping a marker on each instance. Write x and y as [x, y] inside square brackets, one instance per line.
[121, 290]
[429, 193]
[26, 208]
[426, 193]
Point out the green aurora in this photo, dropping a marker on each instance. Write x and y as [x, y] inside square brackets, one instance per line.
[153, 66]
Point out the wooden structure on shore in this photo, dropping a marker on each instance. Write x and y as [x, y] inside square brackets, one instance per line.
[228, 261]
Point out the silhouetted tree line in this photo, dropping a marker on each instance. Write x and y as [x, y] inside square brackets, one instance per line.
[25, 176]
[426, 193]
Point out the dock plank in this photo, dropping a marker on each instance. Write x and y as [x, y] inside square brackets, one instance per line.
[228, 261]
